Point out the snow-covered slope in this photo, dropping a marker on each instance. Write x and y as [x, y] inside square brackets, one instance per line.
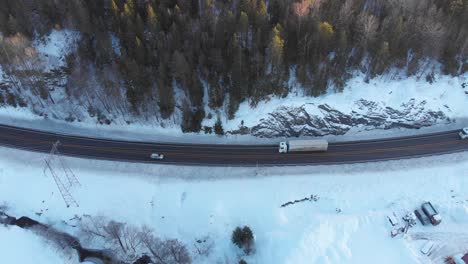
[53, 48]
[382, 104]
[390, 104]
[345, 222]
[19, 246]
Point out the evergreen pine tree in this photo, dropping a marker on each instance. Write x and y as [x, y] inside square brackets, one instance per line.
[218, 128]
[243, 238]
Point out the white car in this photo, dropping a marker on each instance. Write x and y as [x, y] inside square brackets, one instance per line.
[464, 133]
[157, 156]
[426, 248]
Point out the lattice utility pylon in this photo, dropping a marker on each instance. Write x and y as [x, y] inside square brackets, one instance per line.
[70, 178]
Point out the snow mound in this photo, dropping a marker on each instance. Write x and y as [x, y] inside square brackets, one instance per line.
[346, 239]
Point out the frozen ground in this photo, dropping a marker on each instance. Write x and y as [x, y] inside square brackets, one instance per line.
[346, 224]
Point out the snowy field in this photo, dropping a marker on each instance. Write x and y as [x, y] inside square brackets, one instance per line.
[346, 224]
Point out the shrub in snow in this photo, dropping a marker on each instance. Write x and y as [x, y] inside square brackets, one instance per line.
[11, 99]
[208, 130]
[204, 246]
[430, 77]
[143, 260]
[3, 207]
[3, 216]
[243, 238]
[242, 261]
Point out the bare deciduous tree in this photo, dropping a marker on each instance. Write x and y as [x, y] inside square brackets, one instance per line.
[170, 251]
[367, 28]
[302, 8]
[123, 240]
[129, 243]
[346, 12]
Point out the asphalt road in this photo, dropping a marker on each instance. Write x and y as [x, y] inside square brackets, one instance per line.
[233, 155]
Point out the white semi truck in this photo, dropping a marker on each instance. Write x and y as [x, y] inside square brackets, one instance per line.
[312, 145]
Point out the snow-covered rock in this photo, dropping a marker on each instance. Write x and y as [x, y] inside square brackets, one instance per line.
[322, 119]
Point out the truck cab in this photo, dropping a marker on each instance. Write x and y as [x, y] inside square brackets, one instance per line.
[283, 147]
[463, 133]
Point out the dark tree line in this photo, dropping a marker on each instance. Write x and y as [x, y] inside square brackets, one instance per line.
[245, 49]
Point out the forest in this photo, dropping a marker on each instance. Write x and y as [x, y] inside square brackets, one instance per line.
[230, 51]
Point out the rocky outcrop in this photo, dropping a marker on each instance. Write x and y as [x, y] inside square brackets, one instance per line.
[321, 120]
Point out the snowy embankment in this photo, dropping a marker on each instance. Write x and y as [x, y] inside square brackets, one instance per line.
[20, 246]
[382, 104]
[381, 108]
[344, 223]
[386, 106]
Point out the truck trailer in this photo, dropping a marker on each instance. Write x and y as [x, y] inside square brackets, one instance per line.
[312, 145]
